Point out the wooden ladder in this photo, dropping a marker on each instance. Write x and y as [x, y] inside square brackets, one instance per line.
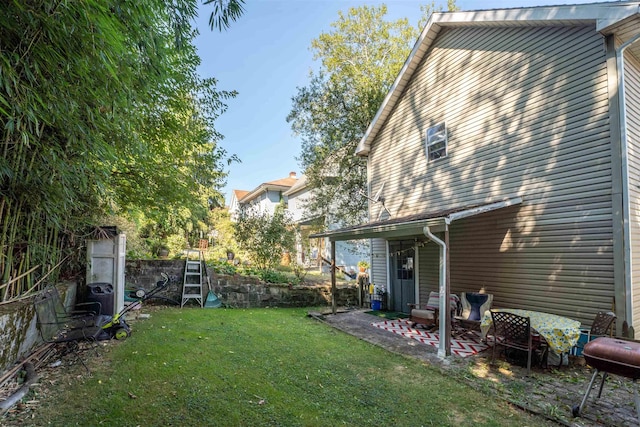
[192, 284]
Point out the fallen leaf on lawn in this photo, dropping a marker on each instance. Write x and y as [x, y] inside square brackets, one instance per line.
[132, 396]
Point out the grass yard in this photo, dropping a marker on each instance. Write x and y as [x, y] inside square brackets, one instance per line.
[258, 367]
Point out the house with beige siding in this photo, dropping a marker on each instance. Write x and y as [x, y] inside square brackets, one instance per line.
[508, 154]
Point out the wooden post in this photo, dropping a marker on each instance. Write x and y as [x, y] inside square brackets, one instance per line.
[333, 277]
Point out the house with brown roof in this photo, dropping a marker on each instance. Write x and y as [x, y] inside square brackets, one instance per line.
[234, 205]
[265, 197]
[506, 156]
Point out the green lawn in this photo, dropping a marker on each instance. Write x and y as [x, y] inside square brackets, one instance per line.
[260, 367]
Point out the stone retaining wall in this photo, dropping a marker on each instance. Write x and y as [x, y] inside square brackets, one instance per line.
[18, 328]
[235, 291]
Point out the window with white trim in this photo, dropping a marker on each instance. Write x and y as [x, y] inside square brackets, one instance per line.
[436, 141]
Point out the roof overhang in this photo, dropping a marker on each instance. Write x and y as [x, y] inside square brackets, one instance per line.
[413, 225]
[609, 18]
[261, 189]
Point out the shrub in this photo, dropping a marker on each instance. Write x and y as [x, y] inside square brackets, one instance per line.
[222, 267]
[176, 244]
[272, 276]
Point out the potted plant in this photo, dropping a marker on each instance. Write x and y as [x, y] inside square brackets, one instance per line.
[363, 266]
[163, 251]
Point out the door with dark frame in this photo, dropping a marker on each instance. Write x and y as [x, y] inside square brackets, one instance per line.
[401, 270]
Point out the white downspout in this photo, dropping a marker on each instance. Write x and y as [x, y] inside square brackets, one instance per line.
[626, 226]
[443, 351]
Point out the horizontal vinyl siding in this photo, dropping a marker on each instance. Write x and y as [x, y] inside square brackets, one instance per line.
[379, 264]
[632, 100]
[429, 259]
[534, 271]
[527, 113]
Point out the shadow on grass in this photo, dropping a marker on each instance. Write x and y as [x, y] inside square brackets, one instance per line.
[390, 315]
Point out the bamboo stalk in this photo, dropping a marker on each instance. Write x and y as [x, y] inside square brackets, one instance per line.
[4, 245]
[20, 276]
[26, 294]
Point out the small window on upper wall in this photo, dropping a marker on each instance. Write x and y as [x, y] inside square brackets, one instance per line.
[436, 141]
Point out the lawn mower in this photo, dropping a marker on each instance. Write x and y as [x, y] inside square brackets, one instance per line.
[116, 326]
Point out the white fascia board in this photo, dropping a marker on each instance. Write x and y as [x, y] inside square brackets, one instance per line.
[616, 13]
[483, 209]
[262, 188]
[428, 33]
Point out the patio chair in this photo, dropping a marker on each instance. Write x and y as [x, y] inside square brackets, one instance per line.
[474, 305]
[602, 325]
[513, 331]
[67, 328]
[429, 315]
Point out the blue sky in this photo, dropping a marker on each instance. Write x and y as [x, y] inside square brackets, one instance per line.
[265, 56]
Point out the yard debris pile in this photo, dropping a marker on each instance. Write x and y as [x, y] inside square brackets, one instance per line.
[51, 367]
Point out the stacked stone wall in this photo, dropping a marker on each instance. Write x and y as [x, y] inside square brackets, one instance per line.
[18, 327]
[235, 291]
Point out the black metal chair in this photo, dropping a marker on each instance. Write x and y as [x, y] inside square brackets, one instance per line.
[513, 331]
[602, 326]
[59, 326]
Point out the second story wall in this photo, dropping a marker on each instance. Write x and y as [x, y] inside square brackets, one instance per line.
[296, 204]
[527, 114]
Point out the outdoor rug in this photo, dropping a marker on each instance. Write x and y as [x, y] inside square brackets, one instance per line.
[467, 345]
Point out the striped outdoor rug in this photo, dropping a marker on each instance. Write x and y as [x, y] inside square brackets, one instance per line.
[465, 346]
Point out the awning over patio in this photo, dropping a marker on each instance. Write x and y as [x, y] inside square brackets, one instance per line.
[413, 224]
[423, 225]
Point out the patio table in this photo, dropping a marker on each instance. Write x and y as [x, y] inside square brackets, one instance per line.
[560, 333]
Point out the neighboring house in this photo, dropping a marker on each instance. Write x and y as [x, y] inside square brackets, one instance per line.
[508, 153]
[264, 197]
[234, 205]
[311, 252]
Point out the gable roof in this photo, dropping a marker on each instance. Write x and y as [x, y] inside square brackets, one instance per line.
[620, 18]
[282, 184]
[240, 194]
[300, 185]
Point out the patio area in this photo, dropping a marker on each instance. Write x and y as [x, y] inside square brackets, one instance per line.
[550, 392]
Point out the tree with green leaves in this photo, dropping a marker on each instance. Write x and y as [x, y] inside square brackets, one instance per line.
[224, 11]
[359, 60]
[265, 237]
[103, 112]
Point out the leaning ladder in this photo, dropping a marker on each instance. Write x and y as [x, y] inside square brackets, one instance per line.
[192, 287]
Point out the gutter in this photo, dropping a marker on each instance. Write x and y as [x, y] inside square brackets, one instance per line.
[444, 345]
[626, 208]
